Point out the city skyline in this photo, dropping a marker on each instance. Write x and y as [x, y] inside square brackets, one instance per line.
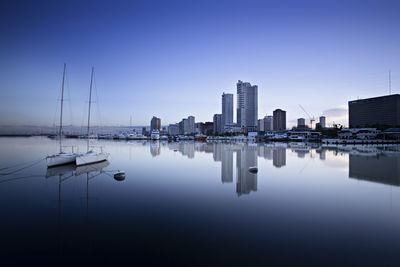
[167, 60]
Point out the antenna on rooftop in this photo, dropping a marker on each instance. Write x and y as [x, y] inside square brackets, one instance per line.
[390, 82]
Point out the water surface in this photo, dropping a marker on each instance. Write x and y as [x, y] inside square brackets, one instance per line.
[197, 204]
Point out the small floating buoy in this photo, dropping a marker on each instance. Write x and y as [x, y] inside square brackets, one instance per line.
[253, 169]
[119, 176]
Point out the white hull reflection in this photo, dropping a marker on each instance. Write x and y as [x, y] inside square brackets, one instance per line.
[91, 167]
[60, 170]
[90, 157]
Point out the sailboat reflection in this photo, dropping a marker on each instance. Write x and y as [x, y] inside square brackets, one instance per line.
[67, 171]
[91, 168]
[61, 171]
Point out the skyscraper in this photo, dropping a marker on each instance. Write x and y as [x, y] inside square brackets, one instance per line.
[301, 123]
[261, 125]
[268, 123]
[227, 109]
[279, 120]
[217, 120]
[155, 124]
[322, 121]
[383, 111]
[247, 106]
[191, 124]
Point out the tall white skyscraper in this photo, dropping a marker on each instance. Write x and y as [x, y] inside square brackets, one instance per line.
[227, 109]
[247, 106]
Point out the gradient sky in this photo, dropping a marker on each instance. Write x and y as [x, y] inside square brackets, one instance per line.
[173, 59]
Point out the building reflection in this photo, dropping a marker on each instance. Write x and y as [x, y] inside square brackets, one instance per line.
[155, 148]
[381, 165]
[279, 156]
[227, 166]
[186, 149]
[380, 168]
[245, 181]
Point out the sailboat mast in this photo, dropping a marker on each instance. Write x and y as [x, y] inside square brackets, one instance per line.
[62, 105]
[90, 103]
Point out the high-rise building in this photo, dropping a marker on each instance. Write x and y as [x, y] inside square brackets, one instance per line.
[383, 111]
[322, 121]
[155, 124]
[173, 129]
[268, 123]
[217, 122]
[261, 125]
[279, 120]
[191, 128]
[301, 123]
[187, 126]
[207, 128]
[227, 109]
[247, 106]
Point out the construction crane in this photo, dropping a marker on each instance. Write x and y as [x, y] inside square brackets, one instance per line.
[312, 119]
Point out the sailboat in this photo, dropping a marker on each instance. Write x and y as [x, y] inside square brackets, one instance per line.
[61, 158]
[90, 156]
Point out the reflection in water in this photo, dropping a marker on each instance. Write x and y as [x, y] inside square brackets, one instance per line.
[367, 163]
[380, 169]
[187, 149]
[162, 210]
[65, 172]
[227, 166]
[322, 154]
[155, 148]
[246, 182]
[91, 167]
[279, 156]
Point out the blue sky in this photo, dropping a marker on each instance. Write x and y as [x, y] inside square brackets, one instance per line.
[173, 59]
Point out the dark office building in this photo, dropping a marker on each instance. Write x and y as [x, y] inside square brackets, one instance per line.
[279, 120]
[383, 111]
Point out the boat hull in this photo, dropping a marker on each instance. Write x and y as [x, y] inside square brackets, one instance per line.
[60, 159]
[89, 158]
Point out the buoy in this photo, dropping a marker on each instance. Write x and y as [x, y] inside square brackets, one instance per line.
[119, 176]
[253, 169]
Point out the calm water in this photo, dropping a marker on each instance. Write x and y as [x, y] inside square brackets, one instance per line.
[197, 204]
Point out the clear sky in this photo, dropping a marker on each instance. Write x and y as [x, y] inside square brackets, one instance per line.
[173, 59]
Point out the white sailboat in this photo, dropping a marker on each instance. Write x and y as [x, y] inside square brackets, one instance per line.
[90, 156]
[62, 157]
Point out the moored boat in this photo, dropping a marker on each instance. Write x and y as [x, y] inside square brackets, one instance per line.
[61, 158]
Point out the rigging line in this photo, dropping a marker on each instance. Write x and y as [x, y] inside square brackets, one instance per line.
[69, 98]
[5, 174]
[97, 101]
[19, 164]
[20, 178]
[56, 112]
